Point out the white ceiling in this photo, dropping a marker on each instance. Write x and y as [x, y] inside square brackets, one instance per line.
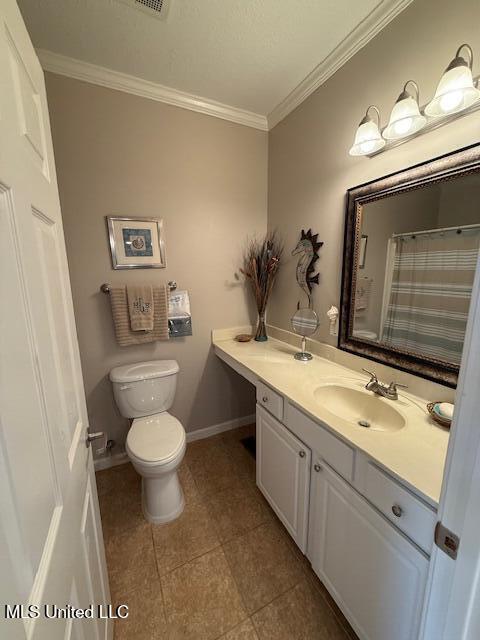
[249, 54]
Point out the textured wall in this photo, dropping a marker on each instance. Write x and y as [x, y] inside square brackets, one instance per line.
[207, 178]
[309, 166]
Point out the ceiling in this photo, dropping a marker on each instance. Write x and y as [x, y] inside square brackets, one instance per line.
[248, 54]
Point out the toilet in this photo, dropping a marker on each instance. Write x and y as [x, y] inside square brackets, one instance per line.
[156, 440]
[365, 334]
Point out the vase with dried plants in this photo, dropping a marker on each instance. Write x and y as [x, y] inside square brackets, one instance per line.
[260, 266]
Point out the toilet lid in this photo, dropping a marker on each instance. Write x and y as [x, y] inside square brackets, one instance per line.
[364, 333]
[144, 370]
[157, 438]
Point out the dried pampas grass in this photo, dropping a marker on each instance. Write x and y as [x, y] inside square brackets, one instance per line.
[260, 265]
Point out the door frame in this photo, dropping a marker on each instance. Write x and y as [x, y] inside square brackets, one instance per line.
[52, 550]
[454, 585]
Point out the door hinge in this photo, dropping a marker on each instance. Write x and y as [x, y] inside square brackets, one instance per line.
[446, 540]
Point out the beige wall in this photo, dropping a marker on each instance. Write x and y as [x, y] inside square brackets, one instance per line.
[207, 178]
[121, 154]
[459, 202]
[309, 166]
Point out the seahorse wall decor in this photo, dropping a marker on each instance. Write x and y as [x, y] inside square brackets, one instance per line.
[307, 248]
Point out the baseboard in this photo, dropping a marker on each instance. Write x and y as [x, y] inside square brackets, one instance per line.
[199, 434]
[110, 461]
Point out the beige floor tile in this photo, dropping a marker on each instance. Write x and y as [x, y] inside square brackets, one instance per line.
[261, 497]
[318, 585]
[201, 599]
[121, 509]
[131, 560]
[244, 631]
[236, 510]
[242, 461]
[189, 487]
[119, 478]
[203, 596]
[299, 614]
[240, 433]
[303, 560]
[211, 466]
[198, 450]
[146, 615]
[263, 565]
[189, 536]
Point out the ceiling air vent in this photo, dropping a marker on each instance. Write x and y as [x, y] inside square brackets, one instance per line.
[155, 8]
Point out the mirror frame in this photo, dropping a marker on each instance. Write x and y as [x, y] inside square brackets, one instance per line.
[459, 163]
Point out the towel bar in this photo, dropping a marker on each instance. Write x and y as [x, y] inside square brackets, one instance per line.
[105, 287]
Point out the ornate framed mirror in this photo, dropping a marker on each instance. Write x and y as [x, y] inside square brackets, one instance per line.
[411, 249]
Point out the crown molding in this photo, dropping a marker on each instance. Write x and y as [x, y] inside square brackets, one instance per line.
[65, 66]
[348, 47]
[384, 13]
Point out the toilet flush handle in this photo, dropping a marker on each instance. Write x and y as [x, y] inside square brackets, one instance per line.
[124, 387]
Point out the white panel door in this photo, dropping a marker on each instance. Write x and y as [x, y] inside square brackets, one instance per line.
[283, 474]
[50, 536]
[376, 576]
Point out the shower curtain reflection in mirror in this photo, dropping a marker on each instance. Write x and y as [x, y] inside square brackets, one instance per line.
[428, 284]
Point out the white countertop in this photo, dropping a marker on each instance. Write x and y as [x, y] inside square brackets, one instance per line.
[414, 454]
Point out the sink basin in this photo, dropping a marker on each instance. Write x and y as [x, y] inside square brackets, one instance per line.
[361, 408]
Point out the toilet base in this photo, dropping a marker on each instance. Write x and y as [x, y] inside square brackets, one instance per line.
[162, 498]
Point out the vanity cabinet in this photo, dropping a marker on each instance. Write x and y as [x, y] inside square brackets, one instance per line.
[283, 474]
[362, 531]
[405, 510]
[376, 576]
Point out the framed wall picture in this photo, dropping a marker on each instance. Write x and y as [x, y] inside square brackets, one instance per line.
[136, 243]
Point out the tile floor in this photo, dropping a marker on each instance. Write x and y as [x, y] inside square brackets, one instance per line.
[225, 569]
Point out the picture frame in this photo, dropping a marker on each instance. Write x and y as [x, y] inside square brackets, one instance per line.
[136, 243]
[363, 252]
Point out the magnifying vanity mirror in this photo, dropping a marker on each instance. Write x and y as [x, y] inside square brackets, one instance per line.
[411, 249]
[304, 323]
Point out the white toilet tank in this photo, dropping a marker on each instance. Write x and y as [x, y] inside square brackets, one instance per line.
[144, 388]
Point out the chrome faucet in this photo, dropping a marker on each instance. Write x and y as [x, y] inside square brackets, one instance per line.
[386, 391]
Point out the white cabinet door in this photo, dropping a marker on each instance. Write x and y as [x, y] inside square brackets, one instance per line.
[373, 572]
[283, 474]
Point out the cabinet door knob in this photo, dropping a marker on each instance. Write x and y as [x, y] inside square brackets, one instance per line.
[397, 510]
[265, 399]
[302, 454]
[317, 467]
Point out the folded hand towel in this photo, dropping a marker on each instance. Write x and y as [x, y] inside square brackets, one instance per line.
[140, 307]
[125, 336]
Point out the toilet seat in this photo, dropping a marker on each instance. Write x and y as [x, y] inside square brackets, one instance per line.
[156, 440]
[364, 333]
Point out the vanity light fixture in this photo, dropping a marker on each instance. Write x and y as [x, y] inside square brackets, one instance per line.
[405, 118]
[456, 90]
[368, 138]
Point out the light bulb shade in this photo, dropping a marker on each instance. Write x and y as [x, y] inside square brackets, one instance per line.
[455, 92]
[368, 139]
[405, 119]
